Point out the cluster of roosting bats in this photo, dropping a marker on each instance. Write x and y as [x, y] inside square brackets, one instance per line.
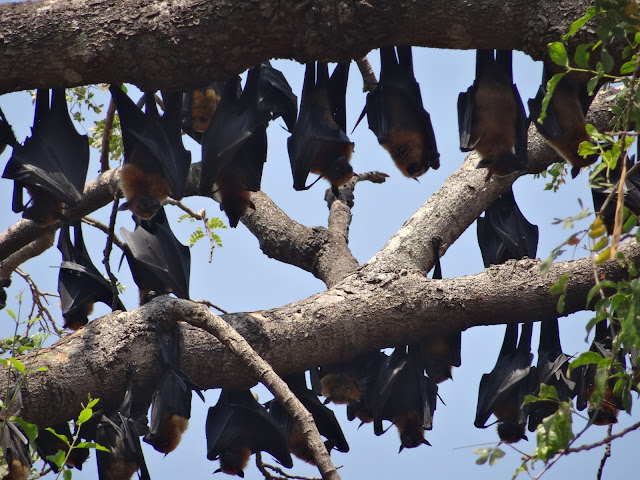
[230, 123]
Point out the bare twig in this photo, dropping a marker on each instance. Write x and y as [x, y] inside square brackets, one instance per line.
[107, 249]
[282, 475]
[212, 305]
[200, 317]
[105, 228]
[607, 454]
[31, 250]
[608, 439]
[37, 295]
[106, 135]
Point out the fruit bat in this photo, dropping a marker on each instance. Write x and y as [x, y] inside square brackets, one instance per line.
[319, 143]
[238, 426]
[119, 432]
[171, 401]
[346, 382]
[198, 107]
[15, 448]
[564, 126]
[234, 145]
[504, 233]
[156, 164]
[491, 116]
[323, 417]
[397, 116]
[607, 412]
[52, 164]
[159, 263]
[49, 444]
[440, 352]
[405, 396]
[552, 371]
[502, 391]
[80, 284]
[600, 190]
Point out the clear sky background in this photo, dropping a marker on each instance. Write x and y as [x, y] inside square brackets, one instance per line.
[242, 278]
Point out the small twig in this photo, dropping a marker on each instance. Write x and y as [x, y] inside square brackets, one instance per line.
[607, 454]
[261, 467]
[212, 305]
[201, 317]
[106, 135]
[36, 295]
[608, 439]
[369, 80]
[284, 475]
[199, 215]
[107, 249]
[105, 228]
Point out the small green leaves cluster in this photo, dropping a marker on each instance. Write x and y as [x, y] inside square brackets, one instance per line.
[199, 233]
[490, 454]
[557, 174]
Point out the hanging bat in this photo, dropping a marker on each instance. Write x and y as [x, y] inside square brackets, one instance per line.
[119, 430]
[15, 449]
[607, 412]
[504, 233]
[198, 107]
[396, 115]
[564, 126]
[600, 190]
[439, 353]
[171, 401]
[502, 391]
[234, 146]
[552, 371]
[52, 164]
[156, 164]
[405, 396]
[159, 263]
[80, 284]
[49, 444]
[323, 417]
[491, 116]
[7, 137]
[319, 143]
[238, 426]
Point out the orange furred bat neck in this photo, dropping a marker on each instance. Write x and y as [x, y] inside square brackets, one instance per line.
[145, 191]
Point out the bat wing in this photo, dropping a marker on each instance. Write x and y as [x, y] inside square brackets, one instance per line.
[238, 419]
[56, 157]
[466, 102]
[519, 236]
[387, 377]
[153, 248]
[159, 135]
[492, 247]
[233, 127]
[15, 446]
[522, 132]
[275, 95]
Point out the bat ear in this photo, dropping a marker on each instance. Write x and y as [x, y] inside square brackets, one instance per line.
[425, 442]
[401, 448]
[123, 207]
[327, 401]
[575, 171]
[241, 474]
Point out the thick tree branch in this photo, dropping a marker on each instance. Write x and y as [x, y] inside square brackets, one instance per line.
[155, 44]
[362, 313]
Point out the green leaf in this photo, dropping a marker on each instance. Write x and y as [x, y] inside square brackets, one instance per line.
[67, 474]
[63, 438]
[521, 469]
[530, 399]
[496, 454]
[560, 286]
[591, 85]
[84, 416]
[30, 430]
[584, 358]
[483, 455]
[560, 307]
[17, 364]
[597, 287]
[581, 56]
[607, 61]
[628, 67]
[548, 392]
[591, 11]
[58, 458]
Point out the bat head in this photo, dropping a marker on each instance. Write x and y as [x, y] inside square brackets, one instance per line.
[44, 209]
[203, 106]
[235, 204]
[234, 460]
[511, 432]
[339, 172]
[340, 388]
[143, 206]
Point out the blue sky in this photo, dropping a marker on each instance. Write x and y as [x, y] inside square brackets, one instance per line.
[241, 278]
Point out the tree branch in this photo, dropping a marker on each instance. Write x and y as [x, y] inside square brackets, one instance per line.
[91, 359]
[96, 41]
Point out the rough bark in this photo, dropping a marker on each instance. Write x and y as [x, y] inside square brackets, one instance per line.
[155, 44]
[366, 311]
